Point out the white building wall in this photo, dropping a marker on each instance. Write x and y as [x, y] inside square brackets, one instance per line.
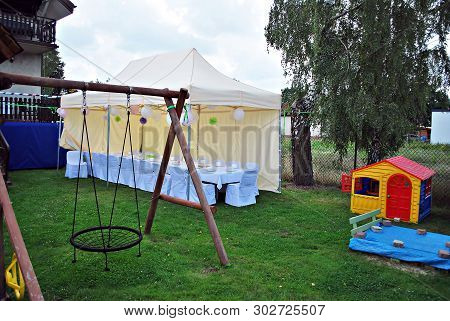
[440, 127]
[25, 64]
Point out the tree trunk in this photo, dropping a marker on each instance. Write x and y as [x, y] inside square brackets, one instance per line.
[301, 143]
[374, 151]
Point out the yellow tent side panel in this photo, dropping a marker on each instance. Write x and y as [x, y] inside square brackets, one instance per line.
[361, 204]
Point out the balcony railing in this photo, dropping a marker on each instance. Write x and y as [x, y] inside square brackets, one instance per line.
[37, 29]
[36, 109]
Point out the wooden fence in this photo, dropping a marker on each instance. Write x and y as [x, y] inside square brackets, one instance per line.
[29, 109]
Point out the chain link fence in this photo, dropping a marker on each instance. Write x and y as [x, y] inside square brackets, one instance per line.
[328, 166]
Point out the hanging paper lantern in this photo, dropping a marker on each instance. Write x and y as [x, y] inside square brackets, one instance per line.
[61, 112]
[114, 110]
[143, 120]
[168, 119]
[213, 121]
[117, 118]
[238, 114]
[134, 110]
[146, 112]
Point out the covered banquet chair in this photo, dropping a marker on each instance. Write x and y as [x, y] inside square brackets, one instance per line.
[244, 193]
[73, 158]
[179, 178]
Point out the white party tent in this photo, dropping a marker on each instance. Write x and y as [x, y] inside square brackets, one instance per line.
[216, 131]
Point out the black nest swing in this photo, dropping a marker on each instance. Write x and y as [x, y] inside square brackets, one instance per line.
[105, 238]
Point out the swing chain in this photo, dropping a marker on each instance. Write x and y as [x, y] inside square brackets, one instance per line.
[128, 103]
[84, 102]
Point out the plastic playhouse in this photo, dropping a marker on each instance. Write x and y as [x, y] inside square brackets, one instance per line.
[398, 186]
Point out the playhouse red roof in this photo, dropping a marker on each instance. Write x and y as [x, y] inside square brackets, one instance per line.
[411, 167]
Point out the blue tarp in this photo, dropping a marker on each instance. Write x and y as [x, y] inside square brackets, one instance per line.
[33, 145]
[418, 248]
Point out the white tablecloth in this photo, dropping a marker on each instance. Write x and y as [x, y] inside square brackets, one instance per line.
[217, 175]
[220, 176]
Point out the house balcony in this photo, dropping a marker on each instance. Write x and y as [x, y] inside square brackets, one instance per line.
[35, 34]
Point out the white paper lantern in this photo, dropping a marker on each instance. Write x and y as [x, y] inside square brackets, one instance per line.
[238, 114]
[146, 112]
[61, 112]
[168, 119]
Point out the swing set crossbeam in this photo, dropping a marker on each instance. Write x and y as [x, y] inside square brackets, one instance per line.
[183, 202]
[8, 79]
[175, 131]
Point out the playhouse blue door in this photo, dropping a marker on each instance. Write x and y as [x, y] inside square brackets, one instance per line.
[398, 203]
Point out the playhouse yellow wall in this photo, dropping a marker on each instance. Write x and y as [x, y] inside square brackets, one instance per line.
[361, 204]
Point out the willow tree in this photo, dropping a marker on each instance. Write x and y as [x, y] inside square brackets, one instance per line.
[369, 64]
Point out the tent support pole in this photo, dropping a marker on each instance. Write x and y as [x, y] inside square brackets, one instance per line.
[176, 130]
[188, 192]
[198, 131]
[108, 132]
[59, 140]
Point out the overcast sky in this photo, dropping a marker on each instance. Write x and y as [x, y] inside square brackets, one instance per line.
[229, 34]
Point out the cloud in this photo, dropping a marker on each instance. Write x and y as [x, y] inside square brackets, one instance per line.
[229, 34]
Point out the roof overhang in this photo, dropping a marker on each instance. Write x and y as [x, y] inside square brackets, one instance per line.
[9, 47]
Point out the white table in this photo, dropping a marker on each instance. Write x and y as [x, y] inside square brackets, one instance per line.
[218, 176]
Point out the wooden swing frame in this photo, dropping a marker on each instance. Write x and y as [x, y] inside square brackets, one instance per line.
[7, 80]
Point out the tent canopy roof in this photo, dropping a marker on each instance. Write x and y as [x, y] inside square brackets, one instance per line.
[181, 69]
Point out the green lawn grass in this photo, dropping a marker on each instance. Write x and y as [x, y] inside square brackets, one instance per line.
[289, 246]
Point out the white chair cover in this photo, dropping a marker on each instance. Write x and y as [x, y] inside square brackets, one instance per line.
[73, 158]
[178, 187]
[209, 189]
[88, 162]
[245, 192]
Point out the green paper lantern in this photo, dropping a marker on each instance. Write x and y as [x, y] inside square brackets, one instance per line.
[213, 121]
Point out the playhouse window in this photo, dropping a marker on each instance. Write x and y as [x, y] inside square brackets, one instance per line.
[428, 187]
[367, 186]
